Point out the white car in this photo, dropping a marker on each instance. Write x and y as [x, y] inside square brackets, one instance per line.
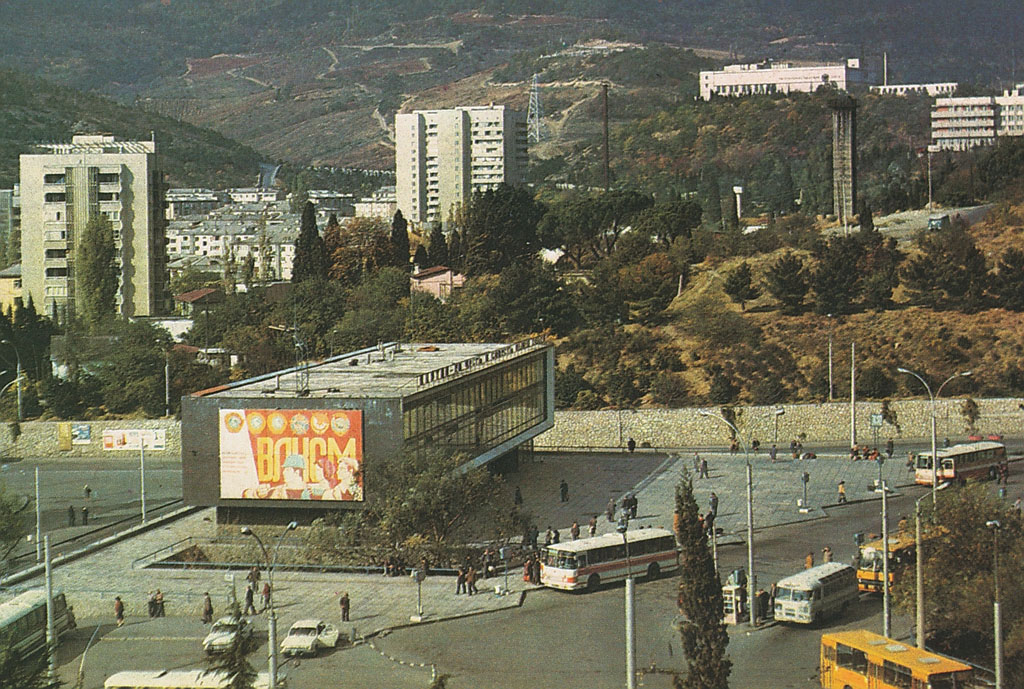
[223, 633]
[307, 636]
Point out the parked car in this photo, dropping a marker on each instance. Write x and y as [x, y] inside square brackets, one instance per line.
[223, 634]
[306, 637]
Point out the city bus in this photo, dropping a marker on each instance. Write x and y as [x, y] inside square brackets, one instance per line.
[590, 562]
[816, 594]
[180, 679]
[24, 617]
[902, 553]
[960, 462]
[861, 659]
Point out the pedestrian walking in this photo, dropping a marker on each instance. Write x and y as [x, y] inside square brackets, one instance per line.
[889, 447]
[207, 617]
[563, 491]
[71, 515]
[610, 510]
[842, 492]
[633, 505]
[713, 501]
[151, 604]
[574, 530]
[696, 463]
[471, 581]
[631, 446]
[826, 554]
[592, 527]
[85, 516]
[253, 576]
[158, 603]
[809, 560]
[88, 491]
[773, 453]
[345, 604]
[518, 499]
[704, 468]
[556, 536]
[549, 536]
[118, 611]
[250, 609]
[460, 581]
[266, 595]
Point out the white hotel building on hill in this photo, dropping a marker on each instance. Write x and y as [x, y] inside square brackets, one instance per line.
[443, 156]
[782, 77]
[959, 124]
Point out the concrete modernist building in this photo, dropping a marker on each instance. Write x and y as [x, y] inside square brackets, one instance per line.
[938, 88]
[780, 77]
[844, 158]
[959, 124]
[443, 156]
[66, 184]
[300, 442]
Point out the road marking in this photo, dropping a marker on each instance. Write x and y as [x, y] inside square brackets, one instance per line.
[152, 638]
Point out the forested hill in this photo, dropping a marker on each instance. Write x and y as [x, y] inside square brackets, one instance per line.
[35, 111]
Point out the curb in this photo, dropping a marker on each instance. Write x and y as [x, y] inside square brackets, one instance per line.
[447, 618]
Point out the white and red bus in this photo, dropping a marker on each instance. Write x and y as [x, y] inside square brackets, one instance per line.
[589, 562]
[960, 462]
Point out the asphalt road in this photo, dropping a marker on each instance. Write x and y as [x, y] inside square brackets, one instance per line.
[554, 639]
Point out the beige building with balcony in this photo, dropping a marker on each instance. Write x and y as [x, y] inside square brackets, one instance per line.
[443, 156]
[959, 124]
[62, 187]
[765, 78]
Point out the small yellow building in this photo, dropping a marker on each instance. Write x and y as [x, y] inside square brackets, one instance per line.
[10, 287]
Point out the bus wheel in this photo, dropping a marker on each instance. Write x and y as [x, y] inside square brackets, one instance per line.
[653, 571]
[593, 582]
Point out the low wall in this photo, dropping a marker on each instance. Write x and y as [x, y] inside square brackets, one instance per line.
[51, 438]
[827, 423]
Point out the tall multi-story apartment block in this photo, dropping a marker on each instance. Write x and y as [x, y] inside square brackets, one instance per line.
[66, 184]
[959, 124]
[443, 156]
[780, 77]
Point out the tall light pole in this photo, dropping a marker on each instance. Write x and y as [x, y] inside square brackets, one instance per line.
[935, 460]
[272, 626]
[853, 394]
[17, 376]
[997, 617]
[830, 386]
[932, 148]
[779, 411]
[622, 528]
[750, 514]
[886, 593]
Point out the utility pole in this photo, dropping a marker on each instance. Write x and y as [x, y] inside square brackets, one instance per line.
[853, 394]
[51, 636]
[39, 528]
[607, 171]
[886, 611]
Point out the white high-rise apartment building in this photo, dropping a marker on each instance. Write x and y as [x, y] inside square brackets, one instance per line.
[959, 124]
[443, 156]
[66, 184]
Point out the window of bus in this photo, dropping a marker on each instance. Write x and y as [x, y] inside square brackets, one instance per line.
[561, 559]
[793, 595]
[897, 675]
[851, 658]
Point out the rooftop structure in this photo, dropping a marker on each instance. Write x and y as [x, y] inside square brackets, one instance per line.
[289, 444]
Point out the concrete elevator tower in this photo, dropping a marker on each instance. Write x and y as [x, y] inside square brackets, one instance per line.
[844, 158]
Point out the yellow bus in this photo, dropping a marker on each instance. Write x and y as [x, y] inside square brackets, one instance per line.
[902, 552]
[861, 660]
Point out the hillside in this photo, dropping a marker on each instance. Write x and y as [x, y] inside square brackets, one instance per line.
[319, 81]
[34, 111]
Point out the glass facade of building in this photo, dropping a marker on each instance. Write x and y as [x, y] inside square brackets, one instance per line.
[479, 412]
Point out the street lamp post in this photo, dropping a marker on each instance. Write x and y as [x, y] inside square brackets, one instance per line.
[886, 593]
[997, 617]
[622, 528]
[272, 626]
[779, 411]
[750, 514]
[935, 461]
[17, 376]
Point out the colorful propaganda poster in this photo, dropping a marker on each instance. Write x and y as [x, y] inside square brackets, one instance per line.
[291, 454]
[81, 434]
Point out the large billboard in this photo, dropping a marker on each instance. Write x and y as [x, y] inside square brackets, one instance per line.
[291, 454]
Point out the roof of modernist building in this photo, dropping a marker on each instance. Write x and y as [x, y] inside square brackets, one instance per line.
[387, 371]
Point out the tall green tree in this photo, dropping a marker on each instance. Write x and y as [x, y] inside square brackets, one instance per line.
[665, 222]
[399, 241]
[310, 261]
[703, 634]
[437, 250]
[455, 250]
[786, 280]
[15, 512]
[739, 285]
[950, 270]
[420, 258]
[500, 228]
[97, 271]
[1008, 281]
[881, 259]
[836, 276]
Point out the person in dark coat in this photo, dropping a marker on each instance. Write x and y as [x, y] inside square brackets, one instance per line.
[518, 499]
[563, 491]
[85, 516]
[460, 581]
[471, 581]
[345, 604]
[249, 607]
[119, 611]
[207, 617]
[71, 515]
[630, 445]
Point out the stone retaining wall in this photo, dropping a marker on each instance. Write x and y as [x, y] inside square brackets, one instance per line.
[41, 439]
[827, 423]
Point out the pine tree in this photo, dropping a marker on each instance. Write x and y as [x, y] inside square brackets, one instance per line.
[420, 258]
[1008, 282]
[310, 261]
[836, 277]
[97, 278]
[787, 281]
[399, 241]
[739, 285]
[437, 251]
[703, 634]
[455, 250]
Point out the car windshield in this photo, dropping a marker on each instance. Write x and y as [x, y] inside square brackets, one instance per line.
[302, 631]
[792, 594]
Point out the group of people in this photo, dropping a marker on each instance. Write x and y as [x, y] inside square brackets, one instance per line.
[465, 579]
[531, 568]
[826, 556]
[858, 452]
[72, 514]
[700, 466]
[156, 604]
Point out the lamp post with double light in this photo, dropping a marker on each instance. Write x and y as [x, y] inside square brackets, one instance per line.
[272, 625]
[622, 528]
[928, 389]
[997, 617]
[17, 376]
[750, 514]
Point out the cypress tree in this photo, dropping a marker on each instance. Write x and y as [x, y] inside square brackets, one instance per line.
[420, 258]
[399, 241]
[97, 271]
[310, 254]
[703, 634]
[455, 250]
[739, 285]
[437, 251]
